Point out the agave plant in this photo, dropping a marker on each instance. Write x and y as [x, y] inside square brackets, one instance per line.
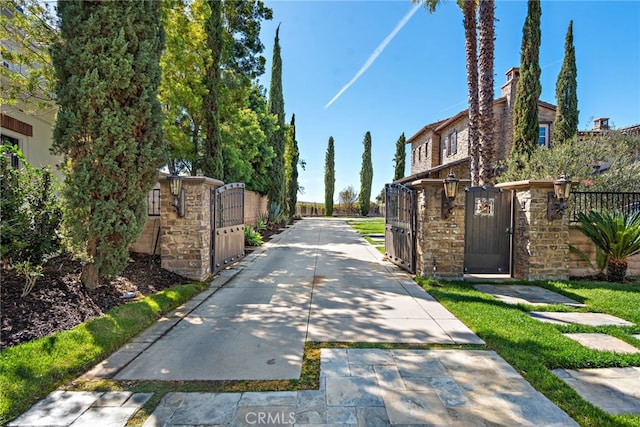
[616, 234]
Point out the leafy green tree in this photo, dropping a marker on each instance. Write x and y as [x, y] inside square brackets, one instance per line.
[579, 158]
[292, 158]
[565, 125]
[525, 110]
[212, 160]
[182, 89]
[276, 107]
[366, 177]
[329, 178]
[399, 158]
[26, 33]
[616, 234]
[109, 125]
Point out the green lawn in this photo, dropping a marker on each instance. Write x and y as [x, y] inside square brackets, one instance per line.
[29, 371]
[534, 348]
[369, 226]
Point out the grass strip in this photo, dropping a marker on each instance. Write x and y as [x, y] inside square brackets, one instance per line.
[367, 226]
[30, 371]
[534, 348]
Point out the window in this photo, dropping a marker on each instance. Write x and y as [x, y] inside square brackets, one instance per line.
[453, 139]
[543, 136]
[413, 156]
[5, 139]
[451, 143]
[420, 153]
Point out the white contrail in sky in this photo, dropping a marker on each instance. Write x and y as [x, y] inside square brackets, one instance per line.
[375, 54]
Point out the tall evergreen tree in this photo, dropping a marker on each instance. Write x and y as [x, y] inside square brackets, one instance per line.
[292, 155]
[399, 158]
[366, 176]
[526, 128]
[276, 107]
[329, 178]
[109, 125]
[212, 165]
[565, 125]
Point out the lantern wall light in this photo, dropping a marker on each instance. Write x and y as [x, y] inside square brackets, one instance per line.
[451, 184]
[557, 200]
[175, 186]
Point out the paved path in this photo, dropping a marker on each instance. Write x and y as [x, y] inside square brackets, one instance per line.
[316, 281]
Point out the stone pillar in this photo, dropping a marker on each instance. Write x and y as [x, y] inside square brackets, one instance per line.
[438, 238]
[185, 243]
[541, 246]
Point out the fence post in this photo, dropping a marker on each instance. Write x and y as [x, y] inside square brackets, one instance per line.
[186, 242]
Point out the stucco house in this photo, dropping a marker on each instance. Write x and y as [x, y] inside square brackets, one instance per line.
[444, 144]
[24, 126]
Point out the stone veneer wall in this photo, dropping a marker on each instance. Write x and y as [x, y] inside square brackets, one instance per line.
[186, 242]
[255, 206]
[437, 237]
[541, 247]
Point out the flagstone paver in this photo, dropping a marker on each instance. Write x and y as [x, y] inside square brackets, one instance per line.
[527, 294]
[614, 390]
[82, 408]
[603, 342]
[590, 319]
[458, 388]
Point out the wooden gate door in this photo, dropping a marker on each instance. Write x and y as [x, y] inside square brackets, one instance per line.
[400, 226]
[489, 230]
[227, 225]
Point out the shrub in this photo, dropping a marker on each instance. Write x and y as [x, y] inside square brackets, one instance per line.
[31, 212]
[252, 237]
[616, 234]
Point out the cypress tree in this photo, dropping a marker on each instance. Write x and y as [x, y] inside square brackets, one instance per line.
[292, 174]
[565, 125]
[366, 177]
[212, 165]
[399, 158]
[525, 111]
[276, 107]
[329, 178]
[109, 125]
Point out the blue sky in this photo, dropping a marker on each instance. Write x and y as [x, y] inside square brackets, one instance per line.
[420, 76]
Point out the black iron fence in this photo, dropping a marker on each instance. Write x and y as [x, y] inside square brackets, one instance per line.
[585, 201]
[153, 202]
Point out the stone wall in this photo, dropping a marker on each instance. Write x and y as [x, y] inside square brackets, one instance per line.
[186, 242]
[255, 206]
[437, 239]
[541, 246]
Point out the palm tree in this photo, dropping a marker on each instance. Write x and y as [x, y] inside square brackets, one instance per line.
[616, 234]
[479, 84]
[485, 67]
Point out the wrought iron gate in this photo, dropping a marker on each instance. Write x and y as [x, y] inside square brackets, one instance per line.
[400, 226]
[227, 225]
[488, 223]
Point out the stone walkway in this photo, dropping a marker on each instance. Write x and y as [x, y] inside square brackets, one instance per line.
[527, 294]
[370, 387]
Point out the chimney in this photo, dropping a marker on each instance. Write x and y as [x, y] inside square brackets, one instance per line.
[509, 88]
[601, 123]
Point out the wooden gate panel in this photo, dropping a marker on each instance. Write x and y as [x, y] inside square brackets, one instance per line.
[400, 226]
[227, 225]
[488, 225]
